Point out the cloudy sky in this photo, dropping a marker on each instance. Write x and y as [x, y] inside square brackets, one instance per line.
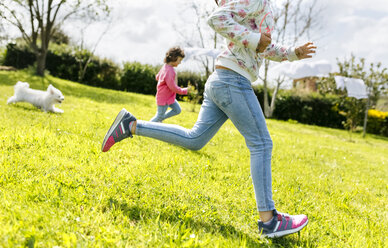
[143, 30]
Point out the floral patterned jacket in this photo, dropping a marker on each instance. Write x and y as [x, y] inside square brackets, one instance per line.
[241, 22]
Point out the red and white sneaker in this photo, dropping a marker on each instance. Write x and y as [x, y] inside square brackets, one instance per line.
[282, 224]
[119, 130]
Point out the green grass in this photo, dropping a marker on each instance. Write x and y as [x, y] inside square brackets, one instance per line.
[58, 189]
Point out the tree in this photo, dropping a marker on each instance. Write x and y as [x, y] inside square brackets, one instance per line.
[37, 20]
[85, 56]
[376, 81]
[3, 34]
[59, 36]
[293, 20]
[201, 36]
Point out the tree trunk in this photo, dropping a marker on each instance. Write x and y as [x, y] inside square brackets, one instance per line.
[273, 101]
[366, 116]
[266, 101]
[41, 62]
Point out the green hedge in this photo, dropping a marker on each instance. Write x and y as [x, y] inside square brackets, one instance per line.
[63, 62]
[139, 78]
[309, 109]
[18, 57]
[312, 109]
[195, 79]
[377, 122]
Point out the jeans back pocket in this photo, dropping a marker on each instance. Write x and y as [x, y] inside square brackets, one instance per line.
[221, 95]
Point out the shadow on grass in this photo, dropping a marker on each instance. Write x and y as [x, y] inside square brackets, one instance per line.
[379, 137]
[24, 106]
[137, 213]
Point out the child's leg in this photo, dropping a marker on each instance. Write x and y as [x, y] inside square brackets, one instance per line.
[209, 121]
[159, 116]
[175, 110]
[238, 101]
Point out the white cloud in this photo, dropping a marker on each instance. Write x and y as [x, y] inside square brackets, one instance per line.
[355, 27]
[143, 30]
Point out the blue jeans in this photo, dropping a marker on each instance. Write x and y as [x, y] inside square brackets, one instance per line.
[227, 95]
[161, 114]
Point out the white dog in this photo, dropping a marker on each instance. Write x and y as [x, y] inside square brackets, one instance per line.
[44, 100]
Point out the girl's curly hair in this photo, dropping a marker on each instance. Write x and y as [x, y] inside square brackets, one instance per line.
[173, 54]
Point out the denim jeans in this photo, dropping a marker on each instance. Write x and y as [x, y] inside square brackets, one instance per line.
[161, 114]
[227, 95]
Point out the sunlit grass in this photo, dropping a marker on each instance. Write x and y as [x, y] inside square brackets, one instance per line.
[58, 189]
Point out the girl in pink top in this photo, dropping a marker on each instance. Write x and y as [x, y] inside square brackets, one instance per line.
[168, 86]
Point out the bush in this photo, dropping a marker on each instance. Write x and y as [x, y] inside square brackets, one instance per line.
[63, 62]
[139, 78]
[309, 109]
[377, 122]
[19, 57]
[259, 92]
[3, 53]
[195, 79]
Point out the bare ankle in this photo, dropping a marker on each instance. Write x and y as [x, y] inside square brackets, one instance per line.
[133, 129]
[266, 216]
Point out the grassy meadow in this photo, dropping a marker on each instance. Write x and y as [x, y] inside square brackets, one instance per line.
[58, 190]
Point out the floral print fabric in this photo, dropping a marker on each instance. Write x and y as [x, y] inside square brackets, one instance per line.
[241, 22]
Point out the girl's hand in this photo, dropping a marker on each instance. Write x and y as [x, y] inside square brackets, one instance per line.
[265, 40]
[305, 51]
[190, 88]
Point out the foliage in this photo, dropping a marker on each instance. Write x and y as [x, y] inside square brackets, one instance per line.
[59, 37]
[63, 62]
[304, 108]
[3, 52]
[294, 21]
[377, 122]
[67, 62]
[197, 81]
[353, 109]
[259, 92]
[192, 96]
[18, 56]
[59, 190]
[139, 78]
[43, 19]
[199, 35]
[308, 109]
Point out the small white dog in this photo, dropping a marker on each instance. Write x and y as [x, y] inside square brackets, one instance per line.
[44, 100]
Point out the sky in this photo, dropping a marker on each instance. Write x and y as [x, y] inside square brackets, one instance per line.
[144, 30]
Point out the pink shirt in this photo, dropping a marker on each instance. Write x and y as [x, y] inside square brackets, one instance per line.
[167, 86]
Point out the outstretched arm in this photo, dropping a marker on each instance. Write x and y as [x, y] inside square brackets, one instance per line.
[305, 51]
[278, 53]
[171, 81]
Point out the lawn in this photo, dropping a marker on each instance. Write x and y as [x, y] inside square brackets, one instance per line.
[58, 190]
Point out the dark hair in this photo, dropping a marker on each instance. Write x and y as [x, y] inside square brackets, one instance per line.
[173, 53]
[216, 1]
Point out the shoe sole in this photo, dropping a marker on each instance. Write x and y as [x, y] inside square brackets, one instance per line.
[113, 126]
[283, 233]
